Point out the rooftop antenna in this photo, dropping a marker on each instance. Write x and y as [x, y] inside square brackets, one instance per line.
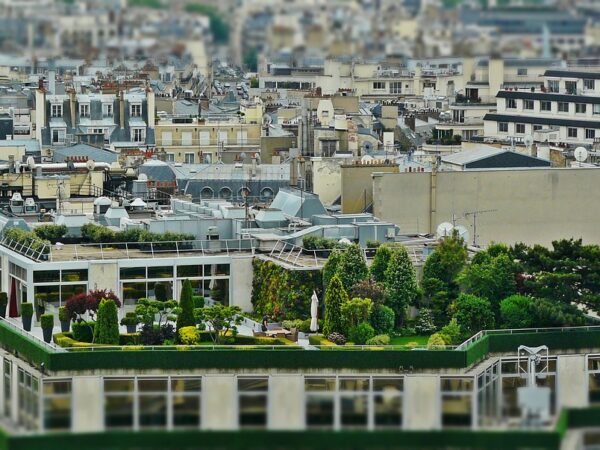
[475, 214]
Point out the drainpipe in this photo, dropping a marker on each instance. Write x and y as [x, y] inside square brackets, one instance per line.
[122, 110]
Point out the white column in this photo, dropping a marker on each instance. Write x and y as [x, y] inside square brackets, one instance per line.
[422, 402]
[286, 403]
[241, 282]
[87, 405]
[571, 383]
[219, 402]
[14, 393]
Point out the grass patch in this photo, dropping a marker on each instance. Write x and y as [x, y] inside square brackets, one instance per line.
[404, 340]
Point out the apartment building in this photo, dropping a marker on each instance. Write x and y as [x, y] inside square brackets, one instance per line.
[564, 110]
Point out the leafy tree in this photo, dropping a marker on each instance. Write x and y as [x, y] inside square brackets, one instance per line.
[361, 333]
[383, 319]
[436, 341]
[547, 313]
[335, 297]
[356, 311]
[50, 231]
[452, 333]
[146, 311]
[106, 330]
[447, 260]
[353, 267]
[221, 320]
[515, 312]
[185, 318]
[424, 324]
[473, 314]
[370, 289]
[380, 263]
[401, 282]
[492, 278]
[331, 267]
[189, 335]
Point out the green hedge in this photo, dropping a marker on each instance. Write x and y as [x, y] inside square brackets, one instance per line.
[27, 349]
[477, 350]
[575, 339]
[255, 440]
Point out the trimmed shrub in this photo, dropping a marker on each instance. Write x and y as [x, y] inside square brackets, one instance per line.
[198, 301]
[317, 339]
[189, 335]
[50, 231]
[185, 318]
[380, 339]
[361, 333]
[436, 341]
[107, 325]
[335, 297]
[289, 324]
[337, 338]
[383, 319]
[452, 333]
[129, 339]
[353, 267]
[47, 321]
[63, 314]
[26, 309]
[83, 331]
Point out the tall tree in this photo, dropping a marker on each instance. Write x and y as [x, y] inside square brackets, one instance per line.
[401, 282]
[473, 314]
[331, 267]
[380, 263]
[335, 297]
[516, 312]
[185, 318]
[106, 330]
[353, 267]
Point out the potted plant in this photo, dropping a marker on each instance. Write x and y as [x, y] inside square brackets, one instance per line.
[130, 321]
[65, 320]
[47, 322]
[3, 304]
[26, 315]
[40, 308]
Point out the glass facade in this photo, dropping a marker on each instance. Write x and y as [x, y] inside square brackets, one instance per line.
[55, 287]
[57, 405]
[593, 376]
[457, 401]
[28, 395]
[253, 396]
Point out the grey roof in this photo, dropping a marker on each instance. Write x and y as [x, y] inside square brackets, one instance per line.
[90, 152]
[542, 121]
[31, 145]
[230, 171]
[157, 170]
[468, 156]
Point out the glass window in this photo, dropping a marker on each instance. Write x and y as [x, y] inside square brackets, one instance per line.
[46, 276]
[132, 292]
[520, 128]
[7, 388]
[133, 273]
[57, 405]
[580, 108]
[73, 275]
[387, 399]
[160, 272]
[503, 127]
[456, 410]
[528, 104]
[571, 87]
[186, 402]
[572, 132]
[152, 405]
[546, 106]
[118, 403]
[253, 402]
[563, 107]
[189, 271]
[553, 85]
[511, 103]
[596, 109]
[48, 294]
[589, 84]
[590, 133]
[319, 411]
[69, 290]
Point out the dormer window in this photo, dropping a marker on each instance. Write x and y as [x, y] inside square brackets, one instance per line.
[107, 109]
[136, 110]
[56, 110]
[84, 110]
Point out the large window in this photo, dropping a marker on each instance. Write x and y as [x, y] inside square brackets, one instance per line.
[349, 402]
[7, 387]
[56, 110]
[395, 87]
[57, 286]
[590, 133]
[152, 402]
[253, 399]
[378, 85]
[593, 368]
[589, 84]
[520, 128]
[503, 127]
[571, 87]
[545, 106]
[118, 403]
[136, 110]
[186, 401]
[511, 103]
[580, 108]
[107, 109]
[488, 396]
[528, 104]
[57, 405]
[563, 107]
[28, 398]
[572, 132]
[457, 401]
[553, 85]
[84, 110]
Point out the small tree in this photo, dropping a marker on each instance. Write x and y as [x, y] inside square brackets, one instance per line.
[361, 333]
[473, 314]
[452, 333]
[436, 341]
[185, 318]
[335, 297]
[401, 282]
[331, 267]
[424, 323]
[353, 267]
[370, 289]
[380, 263]
[383, 319]
[515, 312]
[221, 320]
[106, 330]
[356, 311]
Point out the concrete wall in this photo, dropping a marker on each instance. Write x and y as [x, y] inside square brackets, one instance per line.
[327, 178]
[571, 394]
[103, 275]
[286, 402]
[219, 402]
[87, 404]
[357, 185]
[422, 402]
[241, 282]
[530, 206]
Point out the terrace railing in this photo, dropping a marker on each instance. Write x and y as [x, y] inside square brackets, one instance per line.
[31, 336]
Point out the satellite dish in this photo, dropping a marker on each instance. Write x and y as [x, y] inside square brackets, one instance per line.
[462, 232]
[90, 164]
[581, 154]
[444, 229]
[367, 147]
[528, 140]
[31, 163]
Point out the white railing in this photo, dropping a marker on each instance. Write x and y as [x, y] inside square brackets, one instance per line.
[480, 335]
[31, 336]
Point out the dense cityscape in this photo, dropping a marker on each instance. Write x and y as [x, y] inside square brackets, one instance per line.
[299, 224]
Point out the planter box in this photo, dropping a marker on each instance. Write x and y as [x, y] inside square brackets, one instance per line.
[65, 326]
[26, 322]
[47, 334]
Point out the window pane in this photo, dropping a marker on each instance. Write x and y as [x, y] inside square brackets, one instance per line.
[189, 271]
[319, 411]
[57, 413]
[354, 410]
[57, 387]
[157, 385]
[456, 411]
[160, 272]
[132, 292]
[186, 411]
[388, 384]
[118, 411]
[354, 384]
[186, 384]
[46, 276]
[253, 384]
[253, 410]
[75, 275]
[133, 273]
[153, 411]
[118, 385]
[69, 290]
[594, 389]
[48, 294]
[457, 384]
[319, 384]
[388, 410]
